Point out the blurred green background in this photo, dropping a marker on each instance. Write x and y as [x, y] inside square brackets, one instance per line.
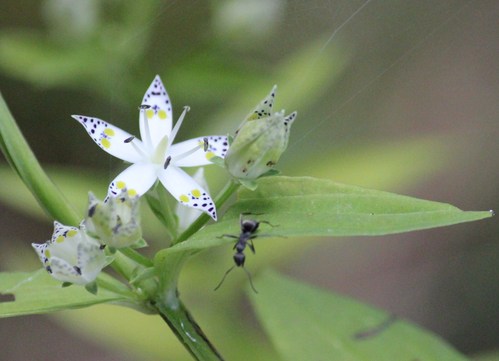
[393, 95]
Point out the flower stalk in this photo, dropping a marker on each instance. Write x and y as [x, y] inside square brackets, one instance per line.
[188, 332]
[230, 187]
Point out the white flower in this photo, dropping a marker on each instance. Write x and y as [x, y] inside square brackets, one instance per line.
[71, 255]
[155, 157]
[115, 221]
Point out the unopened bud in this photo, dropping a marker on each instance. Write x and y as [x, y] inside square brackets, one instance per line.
[115, 221]
[260, 141]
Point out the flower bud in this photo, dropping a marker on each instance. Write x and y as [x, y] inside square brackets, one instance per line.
[71, 255]
[259, 141]
[114, 221]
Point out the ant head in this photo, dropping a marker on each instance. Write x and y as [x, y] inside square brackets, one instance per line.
[239, 259]
[249, 225]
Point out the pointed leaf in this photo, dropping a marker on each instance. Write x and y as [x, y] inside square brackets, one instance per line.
[304, 206]
[306, 323]
[37, 292]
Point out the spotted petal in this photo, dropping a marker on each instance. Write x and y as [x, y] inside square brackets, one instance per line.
[187, 191]
[156, 110]
[136, 179]
[110, 138]
[264, 108]
[217, 146]
[90, 260]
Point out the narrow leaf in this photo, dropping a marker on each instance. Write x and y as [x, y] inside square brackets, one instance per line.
[37, 292]
[305, 323]
[304, 206]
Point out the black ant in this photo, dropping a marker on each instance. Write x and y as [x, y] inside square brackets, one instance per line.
[249, 228]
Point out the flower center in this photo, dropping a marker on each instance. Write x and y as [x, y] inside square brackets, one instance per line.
[159, 155]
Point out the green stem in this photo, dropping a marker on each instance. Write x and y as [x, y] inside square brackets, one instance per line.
[174, 312]
[24, 162]
[171, 220]
[168, 304]
[220, 199]
[188, 332]
[136, 256]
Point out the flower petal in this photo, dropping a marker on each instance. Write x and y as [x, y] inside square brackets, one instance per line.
[137, 179]
[62, 271]
[264, 108]
[110, 138]
[186, 216]
[217, 146]
[187, 191]
[158, 114]
[91, 260]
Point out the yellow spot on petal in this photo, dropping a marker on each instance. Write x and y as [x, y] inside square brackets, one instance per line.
[72, 233]
[162, 114]
[209, 155]
[132, 192]
[60, 239]
[47, 253]
[120, 185]
[196, 193]
[105, 143]
[184, 198]
[149, 113]
[109, 132]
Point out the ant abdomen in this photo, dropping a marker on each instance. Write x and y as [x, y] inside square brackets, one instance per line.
[239, 259]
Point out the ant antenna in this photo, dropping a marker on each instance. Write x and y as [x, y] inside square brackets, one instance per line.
[228, 271]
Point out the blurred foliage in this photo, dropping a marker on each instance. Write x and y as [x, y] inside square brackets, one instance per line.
[332, 325]
[359, 80]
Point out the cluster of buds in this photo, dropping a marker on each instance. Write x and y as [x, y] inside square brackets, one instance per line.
[259, 142]
[77, 254]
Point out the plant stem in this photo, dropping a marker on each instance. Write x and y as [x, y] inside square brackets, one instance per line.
[174, 312]
[220, 199]
[188, 332]
[24, 162]
[168, 304]
[136, 256]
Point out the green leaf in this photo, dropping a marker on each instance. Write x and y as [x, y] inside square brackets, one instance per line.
[305, 323]
[304, 206]
[37, 292]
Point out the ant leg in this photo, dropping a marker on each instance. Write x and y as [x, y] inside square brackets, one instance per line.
[228, 235]
[251, 245]
[250, 214]
[270, 224]
[250, 280]
[223, 278]
[247, 214]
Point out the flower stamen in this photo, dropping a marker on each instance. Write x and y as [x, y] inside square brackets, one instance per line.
[188, 153]
[143, 109]
[167, 161]
[135, 146]
[178, 124]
